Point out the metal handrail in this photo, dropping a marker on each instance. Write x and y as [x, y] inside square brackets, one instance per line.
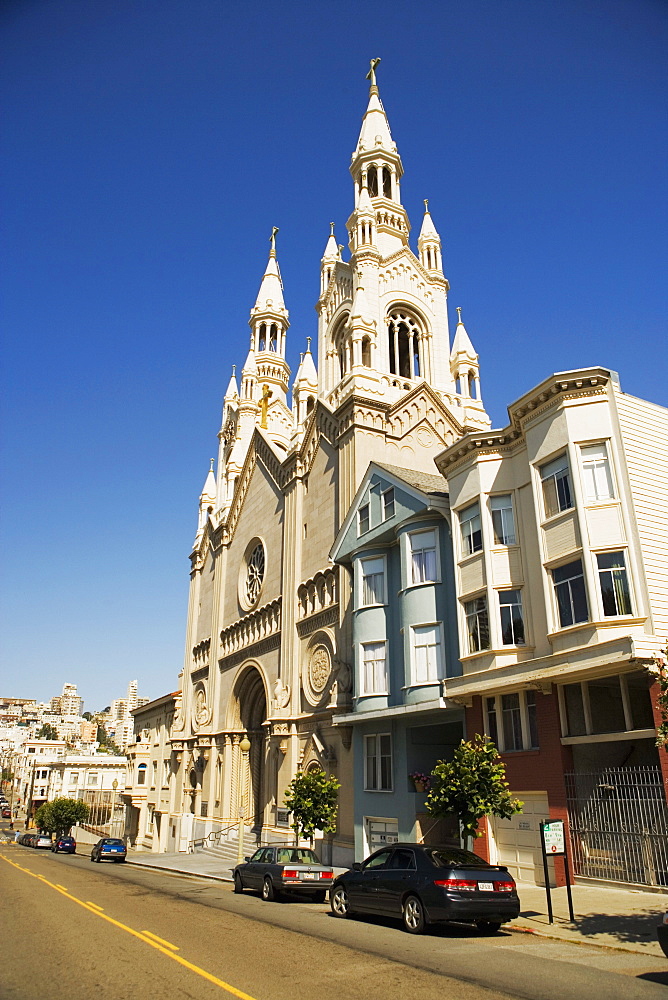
[210, 837]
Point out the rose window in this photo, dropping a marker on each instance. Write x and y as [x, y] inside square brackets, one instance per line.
[255, 573]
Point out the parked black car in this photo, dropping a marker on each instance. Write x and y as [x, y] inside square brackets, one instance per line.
[283, 869]
[424, 885]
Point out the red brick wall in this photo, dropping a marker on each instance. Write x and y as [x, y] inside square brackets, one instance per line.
[654, 692]
[539, 770]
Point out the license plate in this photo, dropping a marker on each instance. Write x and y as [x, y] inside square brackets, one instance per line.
[486, 886]
[309, 876]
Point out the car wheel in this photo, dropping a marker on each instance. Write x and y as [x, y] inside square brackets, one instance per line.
[268, 892]
[122, 860]
[488, 926]
[413, 915]
[238, 884]
[320, 896]
[339, 903]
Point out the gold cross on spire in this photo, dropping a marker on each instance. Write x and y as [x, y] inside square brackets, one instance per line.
[371, 75]
[264, 404]
[272, 240]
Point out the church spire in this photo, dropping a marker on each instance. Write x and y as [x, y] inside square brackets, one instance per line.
[429, 243]
[269, 326]
[464, 363]
[376, 166]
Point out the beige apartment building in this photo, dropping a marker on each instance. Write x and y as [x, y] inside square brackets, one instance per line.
[560, 531]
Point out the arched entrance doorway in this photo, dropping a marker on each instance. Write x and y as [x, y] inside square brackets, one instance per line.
[250, 713]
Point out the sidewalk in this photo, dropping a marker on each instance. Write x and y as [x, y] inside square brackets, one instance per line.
[624, 919]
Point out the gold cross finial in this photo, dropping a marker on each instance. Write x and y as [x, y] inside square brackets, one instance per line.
[272, 240]
[459, 314]
[371, 75]
[426, 204]
[264, 404]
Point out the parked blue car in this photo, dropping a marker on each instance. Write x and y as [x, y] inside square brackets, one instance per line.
[110, 849]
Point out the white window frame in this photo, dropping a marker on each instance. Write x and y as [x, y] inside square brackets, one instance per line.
[627, 575]
[434, 670]
[466, 537]
[596, 468]
[388, 499]
[378, 757]
[410, 581]
[363, 507]
[526, 743]
[372, 689]
[548, 472]
[359, 580]
[496, 499]
[520, 604]
[465, 603]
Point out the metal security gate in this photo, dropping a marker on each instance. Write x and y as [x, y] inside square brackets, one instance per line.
[619, 824]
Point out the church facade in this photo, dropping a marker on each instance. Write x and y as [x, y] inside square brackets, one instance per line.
[268, 678]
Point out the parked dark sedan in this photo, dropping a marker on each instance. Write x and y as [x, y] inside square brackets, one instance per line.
[110, 848]
[424, 885]
[283, 868]
[67, 845]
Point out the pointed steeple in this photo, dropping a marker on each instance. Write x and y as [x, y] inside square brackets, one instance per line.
[207, 499]
[331, 250]
[376, 166]
[232, 390]
[461, 345]
[304, 389]
[429, 243]
[270, 295]
[328, 262]
[464, 366]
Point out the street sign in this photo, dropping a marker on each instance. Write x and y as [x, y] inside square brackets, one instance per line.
[553, 837]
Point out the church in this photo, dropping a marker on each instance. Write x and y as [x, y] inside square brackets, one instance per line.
[377, 574]
[269, 668]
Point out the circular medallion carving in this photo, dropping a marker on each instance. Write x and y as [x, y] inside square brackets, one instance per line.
[425, 437]
[319, 668]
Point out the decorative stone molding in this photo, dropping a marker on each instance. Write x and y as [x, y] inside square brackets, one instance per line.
[258, 625]
[318, 593]
[250, 652]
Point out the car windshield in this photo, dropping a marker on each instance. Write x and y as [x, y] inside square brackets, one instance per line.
[456, 858]
[296, 856]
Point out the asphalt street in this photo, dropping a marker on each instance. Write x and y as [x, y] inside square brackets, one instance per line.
[115, 931]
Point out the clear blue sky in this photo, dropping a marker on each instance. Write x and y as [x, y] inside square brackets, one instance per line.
[150, 146]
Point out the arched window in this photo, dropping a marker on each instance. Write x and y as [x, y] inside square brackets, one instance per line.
[366, 352]
[141, 774]
[262, 337]
[310, 403]
[472, 385]
[372, 181]
[273, 341]
[405, 343]
[387, 183]
[342, 345]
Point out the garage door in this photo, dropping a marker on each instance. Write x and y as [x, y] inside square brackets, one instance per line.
[517, 839]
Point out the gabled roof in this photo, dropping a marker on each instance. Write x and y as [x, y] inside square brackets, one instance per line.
[430, 490]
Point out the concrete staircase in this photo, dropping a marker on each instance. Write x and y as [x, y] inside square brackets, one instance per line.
[226, 850]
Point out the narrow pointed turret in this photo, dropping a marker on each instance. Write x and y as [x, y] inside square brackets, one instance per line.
[232, 390]
[328, 262]
[269, 325]
[207, 500]
[464, 363]
[429, 243]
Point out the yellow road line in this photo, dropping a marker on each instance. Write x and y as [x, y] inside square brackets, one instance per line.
[88, 902]
[140, 935]
[154, 937]
[59, 886]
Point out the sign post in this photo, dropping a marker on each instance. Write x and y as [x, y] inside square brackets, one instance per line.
[553, 842]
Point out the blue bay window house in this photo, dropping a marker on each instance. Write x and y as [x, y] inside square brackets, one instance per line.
[396, 543]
